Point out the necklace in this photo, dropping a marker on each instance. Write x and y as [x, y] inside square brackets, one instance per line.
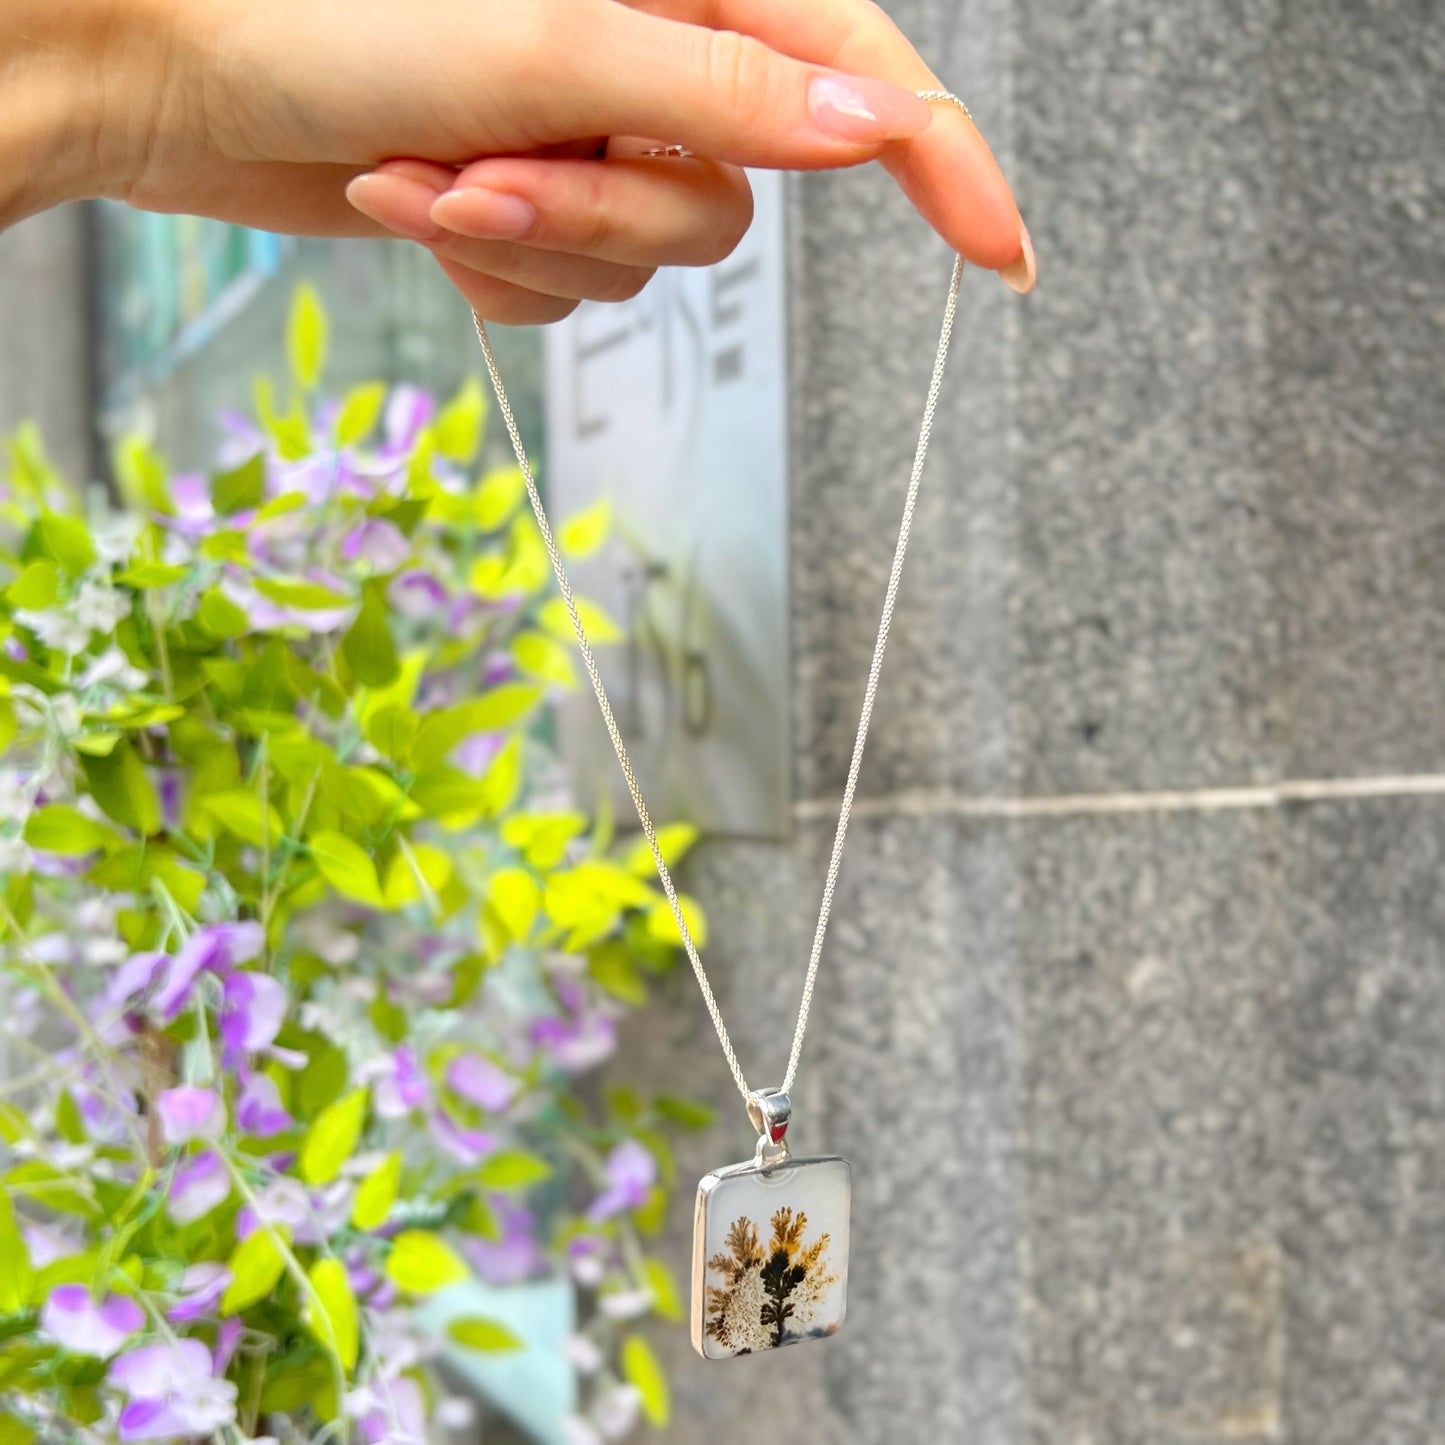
[770, 1235]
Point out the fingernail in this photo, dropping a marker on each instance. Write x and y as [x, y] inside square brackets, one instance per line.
[402, 206]
[483, 213]
[1020, 275]
[858, 108]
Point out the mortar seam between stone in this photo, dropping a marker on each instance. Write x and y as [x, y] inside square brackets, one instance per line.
[935, 803]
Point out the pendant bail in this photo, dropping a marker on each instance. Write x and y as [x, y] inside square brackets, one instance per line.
[771, 1111]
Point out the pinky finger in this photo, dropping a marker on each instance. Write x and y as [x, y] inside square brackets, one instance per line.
[502, 301]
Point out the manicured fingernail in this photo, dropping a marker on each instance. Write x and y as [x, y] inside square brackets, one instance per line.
[1020, 275]
[483, 213]
[400, 205]
[859, 108]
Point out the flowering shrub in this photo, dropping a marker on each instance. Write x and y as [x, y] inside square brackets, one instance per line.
[305, 948]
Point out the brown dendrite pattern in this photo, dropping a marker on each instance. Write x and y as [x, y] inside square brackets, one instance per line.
[768, 1296]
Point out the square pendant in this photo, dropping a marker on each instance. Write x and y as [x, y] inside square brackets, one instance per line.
[770, 1255]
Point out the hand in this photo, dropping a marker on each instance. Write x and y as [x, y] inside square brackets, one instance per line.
[525, 238]
[262, 111]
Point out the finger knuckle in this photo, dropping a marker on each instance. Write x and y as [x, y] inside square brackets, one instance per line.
[627, 284]
[738, 71]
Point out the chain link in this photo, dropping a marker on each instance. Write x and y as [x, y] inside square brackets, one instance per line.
[564, 586]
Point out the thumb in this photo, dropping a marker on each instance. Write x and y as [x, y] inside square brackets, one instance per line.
[725, 95]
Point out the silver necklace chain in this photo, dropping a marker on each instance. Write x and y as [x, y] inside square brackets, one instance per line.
[865, 717]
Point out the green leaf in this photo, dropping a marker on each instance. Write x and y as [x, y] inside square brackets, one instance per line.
[368, 648]
[332, 1138]
[306, 336]
[359, 410]
[141, 472]
[583, 534]
[337, 1324]
[542, 837]
[15, 1431]
[243, 813]
[346, 866]
[489, 1336]
[66, 541]
[596, 623]
[66, 831]
[415, 865]
[421, 1262]
[241, 488]
[686, 1113]
[497, 496]
[377, 1194]
[612, 967]
[145, 576]
[441, 730]
[541, 656]
[256, 1266]
[516, 897]
[673, 841]
[220, 616]
[513, 1169]
[304, 596]
[665, 1297]
[459, 423]
[391, 730]
[121, 785]
[641, 1370]
[16, 1274]
[662, 926]
[36, 587]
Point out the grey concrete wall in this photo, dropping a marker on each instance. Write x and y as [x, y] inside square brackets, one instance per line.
[44, 368]
[1144, 1085]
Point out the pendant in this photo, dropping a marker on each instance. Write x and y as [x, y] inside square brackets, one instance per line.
[770, 1244]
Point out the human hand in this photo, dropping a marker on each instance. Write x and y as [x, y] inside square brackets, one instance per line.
[262, 112]
[525, 238]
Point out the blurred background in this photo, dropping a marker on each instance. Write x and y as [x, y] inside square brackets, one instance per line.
[1132, 1019]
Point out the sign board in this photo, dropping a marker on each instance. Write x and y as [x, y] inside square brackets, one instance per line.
[673, 406]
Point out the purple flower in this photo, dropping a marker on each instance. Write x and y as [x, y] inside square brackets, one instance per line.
[467, 1146]
[400, 1085]
[200, 1184]
[481, 1082]
[218, 947]
[258, 1108]
[283, 1201]
[172, 1390]
[188, 1114]
[253, 1007]
[228, 1336]
[86, 1326]
[202, 1286]
[389, 1410]
[631, 1172]
[408, 410]
[417, 594]
[514, 1255]
[378, 542]
[135, 976]
[474, 754]
[576, 1044]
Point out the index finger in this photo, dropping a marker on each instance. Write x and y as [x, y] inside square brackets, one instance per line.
[948, 171]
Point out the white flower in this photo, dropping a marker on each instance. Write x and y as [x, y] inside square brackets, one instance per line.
[626, 1304]
[57, 629]
[576, 1431]
[14, 856]
[616, 1412]
[582, 1354]
[113, 666]
[99, 607]
[114, 536]
[65, 712]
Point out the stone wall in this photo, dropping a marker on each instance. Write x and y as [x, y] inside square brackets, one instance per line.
[1135, 1036]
